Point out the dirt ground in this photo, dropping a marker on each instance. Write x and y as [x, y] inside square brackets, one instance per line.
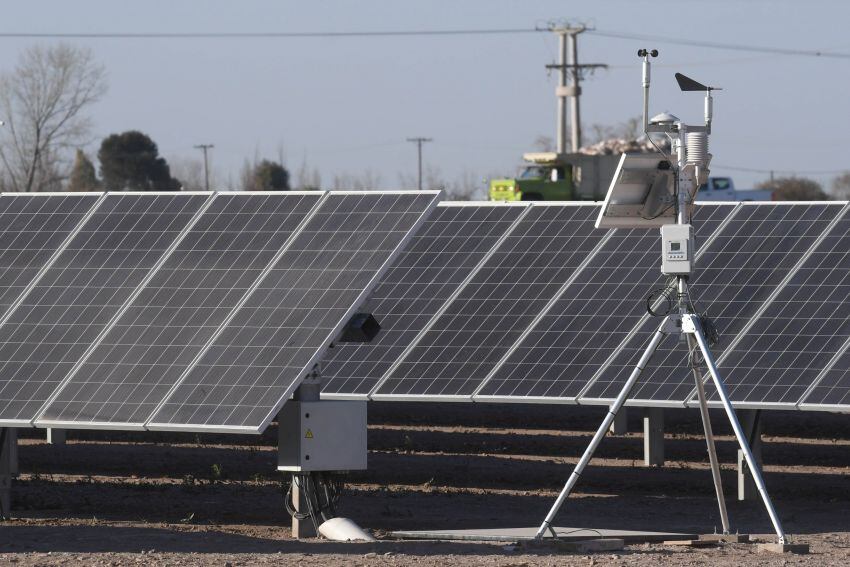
[170, 499]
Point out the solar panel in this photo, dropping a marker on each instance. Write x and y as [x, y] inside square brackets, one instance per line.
[590, 320]
[140, 358]
[832, 392]
[799, 333]
[281, 331]
[735, 274]
[492, 311]
[442, 254]
[33, 227]
[81, 291]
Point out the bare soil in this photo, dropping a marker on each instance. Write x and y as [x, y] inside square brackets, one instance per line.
[173, 499]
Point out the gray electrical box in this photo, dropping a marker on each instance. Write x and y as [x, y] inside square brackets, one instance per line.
[677, 254]
[322, 436]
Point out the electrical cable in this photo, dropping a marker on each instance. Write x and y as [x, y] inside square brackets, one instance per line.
[424, 33]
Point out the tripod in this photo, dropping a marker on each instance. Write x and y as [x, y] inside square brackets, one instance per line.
[688, 323]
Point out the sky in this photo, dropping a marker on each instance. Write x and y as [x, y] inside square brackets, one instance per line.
[345, 106]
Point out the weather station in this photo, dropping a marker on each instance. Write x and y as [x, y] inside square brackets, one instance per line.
[658, 192]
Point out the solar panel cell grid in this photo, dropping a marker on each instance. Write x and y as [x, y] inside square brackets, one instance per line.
[32, 227]
[266, 350]
[512, 287]
[735, 274]
[159, 335]
[800, 332]
[591, 318]
[81, 291]
[438, 259]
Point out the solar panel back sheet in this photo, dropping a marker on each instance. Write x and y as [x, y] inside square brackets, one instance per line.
[283, 328]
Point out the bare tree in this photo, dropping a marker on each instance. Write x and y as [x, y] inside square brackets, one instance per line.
[841, 186]
[43, 101]
[307, 178]
[794, 189]
[190, 172]
[369, 179]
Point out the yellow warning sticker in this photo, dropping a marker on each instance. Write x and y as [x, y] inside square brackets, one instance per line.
[309, 434]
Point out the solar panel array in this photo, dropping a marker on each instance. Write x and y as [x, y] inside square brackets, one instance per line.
[200, 311]
[277, 335]
[578, 343]
[112, 300]
[144, 354]
[75, 298]
[458, 351]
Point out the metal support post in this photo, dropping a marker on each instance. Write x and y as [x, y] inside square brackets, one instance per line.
[561, 143]
[653, 437]
[603, 429]
[739, 432]
[751, 422]
[301, 529]
[709, 440]
[8, 468]
[575, 121]
[56, 436]
[620, 424]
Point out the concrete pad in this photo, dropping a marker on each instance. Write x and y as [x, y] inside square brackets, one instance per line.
[801, 548]
[526, 534]
[726, 538]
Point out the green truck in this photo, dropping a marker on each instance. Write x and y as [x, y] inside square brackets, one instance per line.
[550, 176]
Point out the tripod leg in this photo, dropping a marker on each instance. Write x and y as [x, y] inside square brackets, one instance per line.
[709, 441]
[600, 433]
[739, 433]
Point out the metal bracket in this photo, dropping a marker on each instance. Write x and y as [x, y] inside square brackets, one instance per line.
[672, 325]
[690, 323]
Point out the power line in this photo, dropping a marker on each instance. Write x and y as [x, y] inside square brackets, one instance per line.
[415, 33]
[260, 35]
[726, 46]
[782, 171]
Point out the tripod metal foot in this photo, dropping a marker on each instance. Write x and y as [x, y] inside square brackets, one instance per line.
[709, 439]
[691, 325]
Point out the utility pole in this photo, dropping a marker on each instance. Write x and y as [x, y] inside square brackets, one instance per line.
[205, 148]
[419, 142]
[570, 75]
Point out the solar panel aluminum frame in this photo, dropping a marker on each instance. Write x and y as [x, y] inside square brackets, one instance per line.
[578, 399]
[319, 354]
[373, 395]
[693, 402]
[61, 424]
[441, 204]
[25, 423]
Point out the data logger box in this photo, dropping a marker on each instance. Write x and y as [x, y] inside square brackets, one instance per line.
[677, 254]
[322, 436]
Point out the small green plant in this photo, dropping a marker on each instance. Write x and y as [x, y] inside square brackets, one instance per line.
[217, 472]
